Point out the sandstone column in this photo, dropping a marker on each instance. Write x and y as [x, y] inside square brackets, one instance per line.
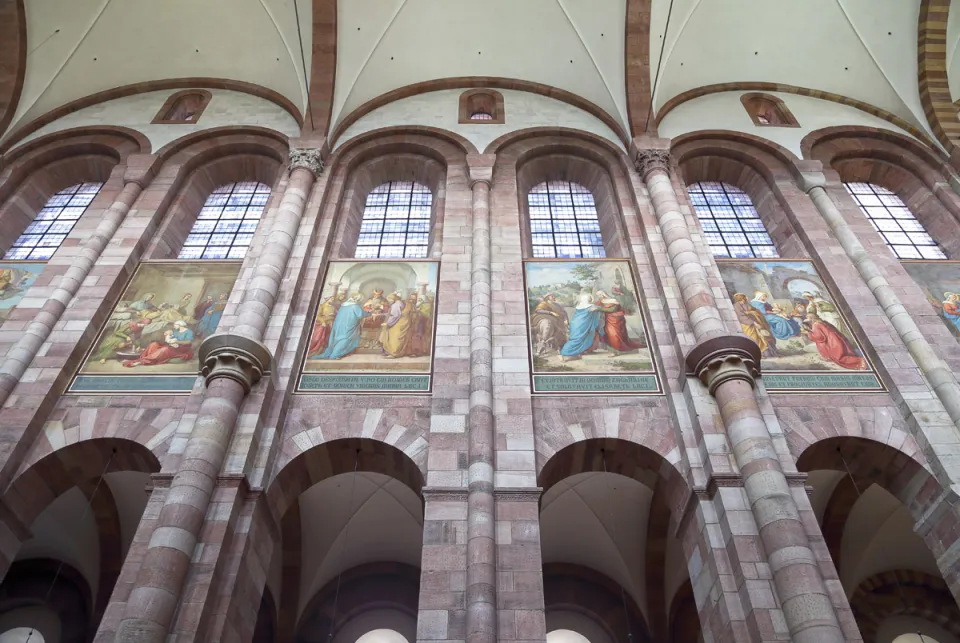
[18, 359]
[232, 363]
[727, 365]
[936, 371]
[481, 547]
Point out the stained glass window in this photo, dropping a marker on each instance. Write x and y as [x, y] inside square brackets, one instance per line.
[894, 221]
[396, 222]
[481, 116]
[53, 223]
[564, 222]
[730, 223]
[226, 223]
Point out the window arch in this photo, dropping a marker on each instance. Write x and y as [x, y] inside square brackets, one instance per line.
[396, 222]
[53, 223]
[227, 221]
[768, 111]
[895, 222]
[730, 221]
[564, 222]
[482, 106]
[184, 107]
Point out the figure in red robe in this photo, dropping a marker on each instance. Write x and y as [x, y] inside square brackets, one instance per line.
[615, 324]
[176, 344]
[833, 346]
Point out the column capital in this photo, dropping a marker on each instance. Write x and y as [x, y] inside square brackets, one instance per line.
[308, 158]
[480, 168]
[234, 357]
[650, 160]
[722, 359]
[808, 180]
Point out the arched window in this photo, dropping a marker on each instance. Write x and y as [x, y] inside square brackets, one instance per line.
[894, 221]
[482, 106]
[730, 222]
[768, 111]
[226, 223]
[396, 222]
[183, 107]
[53, 223]
[564, 221]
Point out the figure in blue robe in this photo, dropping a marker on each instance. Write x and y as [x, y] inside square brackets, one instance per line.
[345, 332]
[211, 319]
[585, 326]
[951, 309]
[781, 327]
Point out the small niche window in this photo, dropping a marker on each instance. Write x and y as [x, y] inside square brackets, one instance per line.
[768, 111]
[226, 223]
[564, 221]
[895, 222]
[730, 222]
[53, 223]
[183, 107]
[396, 222]
[481, 106]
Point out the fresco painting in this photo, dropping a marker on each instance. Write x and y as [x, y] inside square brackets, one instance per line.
[164, 313]
[586, 324]
[373, 329]
[940, 282]
[805, 343]
[15, 279]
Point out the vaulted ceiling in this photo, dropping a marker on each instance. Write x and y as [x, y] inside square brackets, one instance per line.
[862, 49]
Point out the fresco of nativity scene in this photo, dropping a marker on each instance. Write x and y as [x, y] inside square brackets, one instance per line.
[585, 318]
[162, 316]
[940, 282]
[785, 308]
[374, 317]
[15, 279]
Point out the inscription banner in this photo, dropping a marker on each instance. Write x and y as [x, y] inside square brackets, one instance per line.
[587, 328]
[373, 329]
[805, 342]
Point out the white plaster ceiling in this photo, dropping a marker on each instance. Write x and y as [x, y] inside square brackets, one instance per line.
[80, 47]
[863, 49]
[599, 521]
[354, 519]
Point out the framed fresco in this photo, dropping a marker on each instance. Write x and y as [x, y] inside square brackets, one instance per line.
[149, 343]
[805, 342]
[16, 277]
[373, 329]
[940, 281]
[587, 332]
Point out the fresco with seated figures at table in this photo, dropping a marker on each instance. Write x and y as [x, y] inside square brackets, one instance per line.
[940, 282]
[149, 342]
[15, 279]
[587, 331]
[805, 342]
[373, 329]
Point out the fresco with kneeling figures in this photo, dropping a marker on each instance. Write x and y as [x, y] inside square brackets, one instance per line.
[805, 342]
[587, 331]
[149, 343]
[940, 282]
[373, 329]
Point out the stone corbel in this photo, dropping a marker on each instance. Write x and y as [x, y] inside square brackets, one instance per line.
[651, 160]
[235, 357]
[307, 158]
[723, 359]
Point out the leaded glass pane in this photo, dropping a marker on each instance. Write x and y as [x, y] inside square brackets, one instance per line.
[895, 222]
[225, 224]
[564, 209]
[396, 222]
[731, 225]
[53, 223]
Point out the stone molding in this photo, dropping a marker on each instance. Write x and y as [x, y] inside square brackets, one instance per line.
[307, 158]
[444, 493]
[518, 494]
[651, 160]
[235, 357]
[723, 359]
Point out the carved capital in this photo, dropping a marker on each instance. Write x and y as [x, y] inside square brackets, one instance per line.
[308, 158]
[235, 357]
[649, 161]
[723, 359]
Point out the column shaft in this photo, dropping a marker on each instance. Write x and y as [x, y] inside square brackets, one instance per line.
[804, 598]
[936, 371]
[20, 356]
[153, 601]
[481, 548]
